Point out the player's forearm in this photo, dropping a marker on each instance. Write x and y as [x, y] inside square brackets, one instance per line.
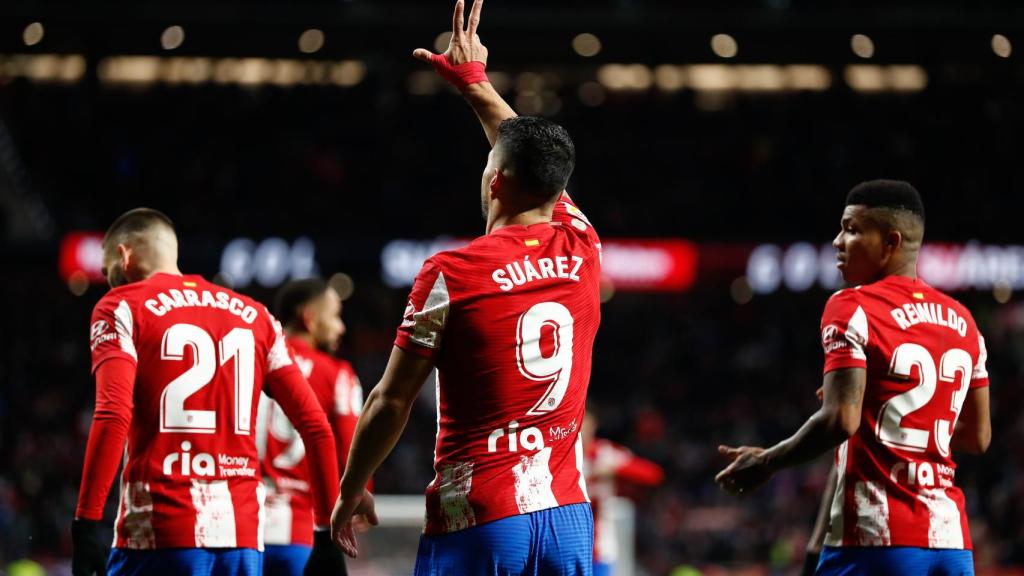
[491, 109]
[302, 408]
[380, 426]
[822, 432]
[324, 469]
[970, 439]
[102, 458]
[115, 380]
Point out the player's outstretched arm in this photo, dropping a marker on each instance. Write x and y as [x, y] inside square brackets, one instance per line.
[973, 431]
[464, 65]
[836, 420]
[384, 417]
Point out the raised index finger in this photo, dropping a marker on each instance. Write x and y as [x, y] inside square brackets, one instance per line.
[458, 23]
[474, 16]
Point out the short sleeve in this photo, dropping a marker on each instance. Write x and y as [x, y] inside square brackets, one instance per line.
[844, 332]
[112, 332]
[279, 355]
[979, 376]
[426, 313]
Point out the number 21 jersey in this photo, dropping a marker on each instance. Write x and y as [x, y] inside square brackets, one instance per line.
[509, 321]
[191, 478]
[922, 353]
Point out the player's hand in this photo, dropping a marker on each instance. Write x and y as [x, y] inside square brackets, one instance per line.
[89, 553]
[326, 559]
[348, 506]
[465, 44]
[820, 393]
[747, 471]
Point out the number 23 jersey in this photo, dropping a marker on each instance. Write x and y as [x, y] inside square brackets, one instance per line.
[509, 322]
[923, 353]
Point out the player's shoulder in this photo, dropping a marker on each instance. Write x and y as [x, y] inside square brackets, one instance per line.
[456, 260]
[845, 297]
[130, 295]
[322, 361]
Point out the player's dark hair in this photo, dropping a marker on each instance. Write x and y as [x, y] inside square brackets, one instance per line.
[293, 296]
[135, 221]
[894, 194]
[539, 153]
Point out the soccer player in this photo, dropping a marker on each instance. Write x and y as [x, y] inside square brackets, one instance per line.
[905, 386]
[608, 465]
[310, 311]
[179, 365]
[509, 322]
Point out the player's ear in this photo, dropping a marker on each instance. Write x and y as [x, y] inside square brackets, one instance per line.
[498, 181]
[894, 239]
[124, 256]
[308, 316]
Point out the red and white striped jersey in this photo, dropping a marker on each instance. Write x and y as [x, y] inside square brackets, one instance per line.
[607, 465]
[282, 452]
[509, 321]
[922, 353]
[203, 353]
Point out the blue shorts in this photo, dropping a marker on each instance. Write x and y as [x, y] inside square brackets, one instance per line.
[285, 560]
[557, 541]
[193, 561]
[894, 561]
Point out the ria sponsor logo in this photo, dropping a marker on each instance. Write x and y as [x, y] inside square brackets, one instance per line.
[922, 474]
[203, 464]
[528, 439]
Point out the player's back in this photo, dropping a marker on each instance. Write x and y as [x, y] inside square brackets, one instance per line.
[922, 353]
[202, 351]
[510, 322]
[284, 465]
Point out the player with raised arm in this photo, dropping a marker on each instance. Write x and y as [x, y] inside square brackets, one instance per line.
[905, 386]
[509, 322]
[310, 311]
[179, 364]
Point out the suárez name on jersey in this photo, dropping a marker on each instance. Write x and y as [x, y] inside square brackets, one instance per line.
[164, 303]
[523, 272]
[930, 313]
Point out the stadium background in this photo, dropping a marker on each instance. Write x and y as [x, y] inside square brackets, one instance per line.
[280, 152]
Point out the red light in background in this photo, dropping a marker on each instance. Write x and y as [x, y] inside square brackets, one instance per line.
[657, 265]
[81, 253]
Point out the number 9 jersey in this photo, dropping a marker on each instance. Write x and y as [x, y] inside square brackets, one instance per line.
[509, 321]
[922, 353]
[191, 476]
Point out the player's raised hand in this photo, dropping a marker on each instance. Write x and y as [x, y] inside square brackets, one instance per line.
[747, 471]
[360, 504]
[465, 45]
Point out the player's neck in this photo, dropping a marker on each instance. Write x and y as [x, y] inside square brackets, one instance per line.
[171, 269]
[906, 269]
[538, 215]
